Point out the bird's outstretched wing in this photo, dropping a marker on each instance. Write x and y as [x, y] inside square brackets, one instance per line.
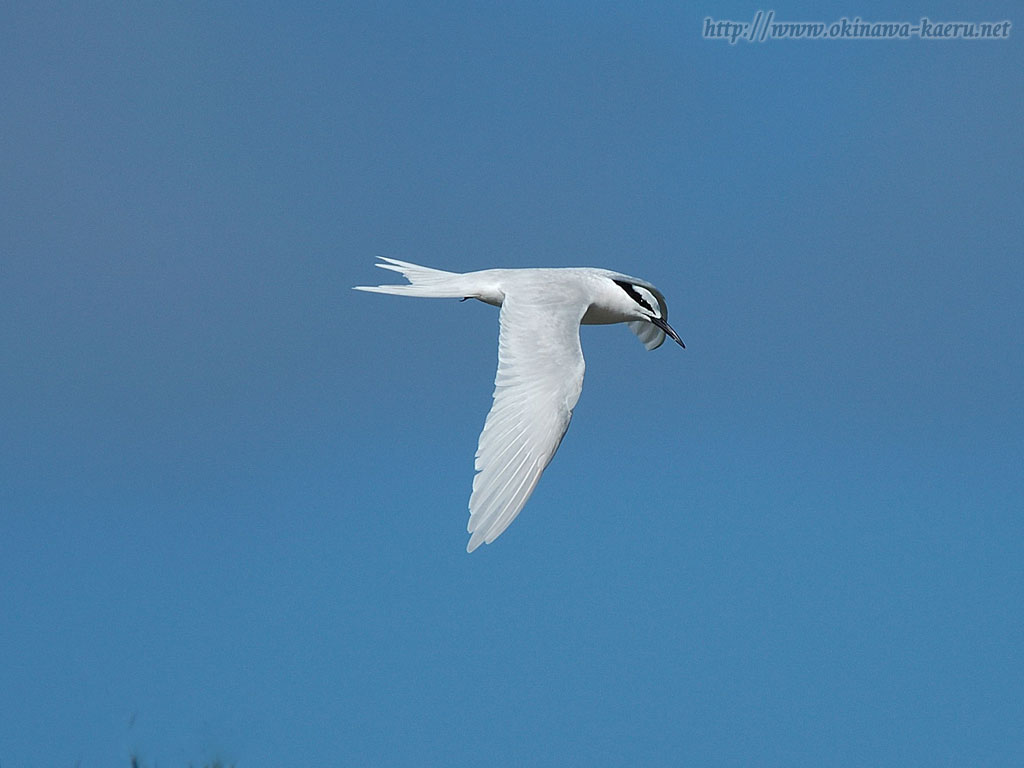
[539, 379]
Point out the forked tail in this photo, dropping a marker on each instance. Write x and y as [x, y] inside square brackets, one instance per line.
[424, 281]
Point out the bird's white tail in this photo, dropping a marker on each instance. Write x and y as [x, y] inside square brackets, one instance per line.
[424, 281]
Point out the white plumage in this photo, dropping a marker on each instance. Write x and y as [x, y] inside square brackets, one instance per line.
[540, 365]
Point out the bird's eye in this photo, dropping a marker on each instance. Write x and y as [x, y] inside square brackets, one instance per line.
[638, 294]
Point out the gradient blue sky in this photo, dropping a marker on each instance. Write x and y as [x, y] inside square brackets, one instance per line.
[232, 500]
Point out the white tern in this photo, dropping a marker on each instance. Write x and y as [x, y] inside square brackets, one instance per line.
[540, 365]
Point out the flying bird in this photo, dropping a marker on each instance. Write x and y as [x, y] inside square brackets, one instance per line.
[540, 365]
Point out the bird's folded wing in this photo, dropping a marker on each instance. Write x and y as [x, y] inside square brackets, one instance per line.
[539, 379]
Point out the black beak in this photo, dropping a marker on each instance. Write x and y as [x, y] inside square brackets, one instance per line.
[663, 325]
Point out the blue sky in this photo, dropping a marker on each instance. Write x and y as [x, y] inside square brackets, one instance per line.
[233, 491]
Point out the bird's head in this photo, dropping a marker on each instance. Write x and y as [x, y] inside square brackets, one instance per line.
[647, 305]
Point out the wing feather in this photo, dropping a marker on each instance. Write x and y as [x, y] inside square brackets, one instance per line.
[539, 379]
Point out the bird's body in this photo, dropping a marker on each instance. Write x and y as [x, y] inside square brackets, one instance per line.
[540, 365]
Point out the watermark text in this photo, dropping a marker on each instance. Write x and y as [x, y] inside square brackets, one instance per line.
[764, 27]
